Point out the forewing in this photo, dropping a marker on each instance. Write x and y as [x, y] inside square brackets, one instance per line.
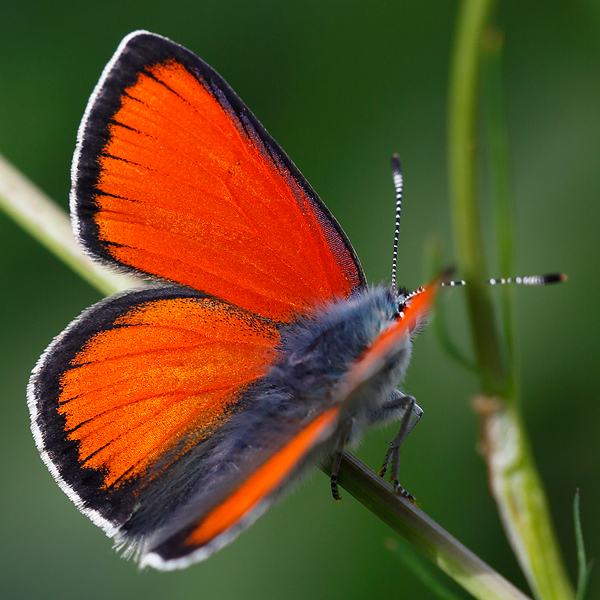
[175, 177]
[130, 387]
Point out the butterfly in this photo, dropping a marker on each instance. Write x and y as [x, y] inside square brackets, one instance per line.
[175, 414]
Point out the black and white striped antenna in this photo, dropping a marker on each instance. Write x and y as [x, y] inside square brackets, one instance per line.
[529, 280]
[397, 177]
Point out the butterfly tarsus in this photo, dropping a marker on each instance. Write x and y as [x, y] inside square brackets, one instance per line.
[336, 458]
[386, 461]
[335, 492]
[411, 417]
[336, 462]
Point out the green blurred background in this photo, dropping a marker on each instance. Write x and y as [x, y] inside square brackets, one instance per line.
[341, 85]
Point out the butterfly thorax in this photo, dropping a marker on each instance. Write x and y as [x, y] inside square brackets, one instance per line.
[320, 350]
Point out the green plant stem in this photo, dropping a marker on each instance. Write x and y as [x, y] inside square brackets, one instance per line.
[584, 568]
[514, 480]
[423, 533]
[462, 124]
[521, 500]
[500, 172]
[422, 571]
[48, 223]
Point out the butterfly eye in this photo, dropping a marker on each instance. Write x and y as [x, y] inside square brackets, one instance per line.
[400, 306]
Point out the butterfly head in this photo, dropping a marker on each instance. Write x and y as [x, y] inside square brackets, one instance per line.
[404, 299]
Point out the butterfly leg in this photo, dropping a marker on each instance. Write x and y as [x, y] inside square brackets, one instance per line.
[411, 413]
[336, 459]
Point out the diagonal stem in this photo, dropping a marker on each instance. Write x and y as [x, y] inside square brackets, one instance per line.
[434, 542]
[48, 223]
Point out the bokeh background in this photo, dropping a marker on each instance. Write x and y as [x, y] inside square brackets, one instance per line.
[341, 85]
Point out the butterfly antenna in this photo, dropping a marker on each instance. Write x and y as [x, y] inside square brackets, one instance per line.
[530, 280]
[397, 177]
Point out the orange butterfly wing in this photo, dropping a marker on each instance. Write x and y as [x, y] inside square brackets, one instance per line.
[135, 383]
[175, 177]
